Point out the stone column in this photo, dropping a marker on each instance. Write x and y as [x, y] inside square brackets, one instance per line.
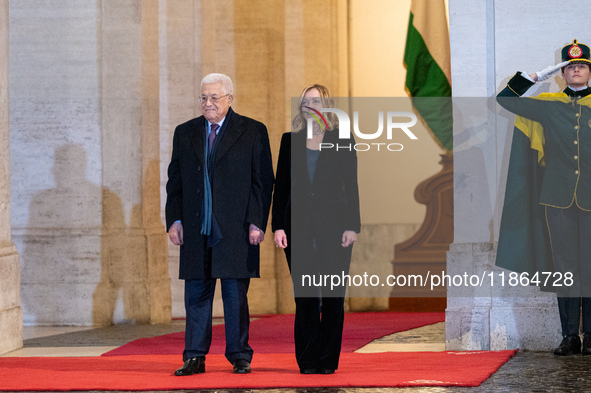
[180, 37]
[11, 321]
[135, 240]
[496, 32]
[84, 115]
[259, 32]
[279, 50]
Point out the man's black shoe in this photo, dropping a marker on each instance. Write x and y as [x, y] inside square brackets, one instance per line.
[586, 344]
[571, 344]
[241, 366]
[192, 366]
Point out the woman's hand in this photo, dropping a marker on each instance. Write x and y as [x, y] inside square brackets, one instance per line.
[348, 238]
[280, 238]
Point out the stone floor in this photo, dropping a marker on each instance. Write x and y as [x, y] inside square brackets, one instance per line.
[525, 372]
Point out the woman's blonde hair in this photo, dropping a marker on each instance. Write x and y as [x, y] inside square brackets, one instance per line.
[299, 122]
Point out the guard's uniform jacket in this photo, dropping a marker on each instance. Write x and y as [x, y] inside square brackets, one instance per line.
[559, 126]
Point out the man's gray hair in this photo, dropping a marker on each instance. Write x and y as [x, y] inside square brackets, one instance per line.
[227, 86]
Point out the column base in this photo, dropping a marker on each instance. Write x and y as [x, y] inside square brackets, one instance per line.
[11, 315]
[497, 317]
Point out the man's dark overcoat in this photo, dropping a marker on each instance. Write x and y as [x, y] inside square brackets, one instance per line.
[241, 178]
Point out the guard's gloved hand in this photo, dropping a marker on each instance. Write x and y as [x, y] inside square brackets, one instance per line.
[549, 71]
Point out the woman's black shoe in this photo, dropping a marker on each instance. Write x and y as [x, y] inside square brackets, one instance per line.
[326, 371]
[308, 371]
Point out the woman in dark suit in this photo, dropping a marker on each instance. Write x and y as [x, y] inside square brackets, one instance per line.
[316, 220]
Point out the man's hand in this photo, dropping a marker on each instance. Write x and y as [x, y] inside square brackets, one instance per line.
[255, 235]
[280, 238]
[175, 233]
[348, 238]
[547, 72]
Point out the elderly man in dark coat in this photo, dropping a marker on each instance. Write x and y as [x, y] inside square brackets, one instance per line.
[220, 181]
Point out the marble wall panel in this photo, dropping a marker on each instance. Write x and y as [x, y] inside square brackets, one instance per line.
[84, 114]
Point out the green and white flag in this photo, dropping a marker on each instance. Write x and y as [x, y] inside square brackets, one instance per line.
[428, 69]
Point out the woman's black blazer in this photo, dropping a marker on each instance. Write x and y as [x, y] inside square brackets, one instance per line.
[329, 205]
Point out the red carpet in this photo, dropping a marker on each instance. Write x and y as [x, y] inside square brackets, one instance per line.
[154, 372]
[274, 334]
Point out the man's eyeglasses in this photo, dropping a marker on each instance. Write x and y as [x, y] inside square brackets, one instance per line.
[213, 99]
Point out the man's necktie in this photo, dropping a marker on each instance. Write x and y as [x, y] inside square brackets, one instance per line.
[212, 134]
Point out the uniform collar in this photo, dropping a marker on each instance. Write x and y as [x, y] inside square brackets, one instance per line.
[569, 91]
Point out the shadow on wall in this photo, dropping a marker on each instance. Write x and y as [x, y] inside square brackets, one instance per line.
[81, 263]
[127, 291]
[60, 260]
[116, 273]
[134, 286]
